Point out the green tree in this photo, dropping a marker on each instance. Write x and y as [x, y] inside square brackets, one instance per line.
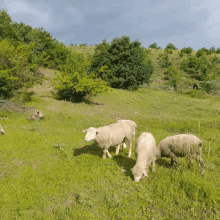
[187, 50]
[126, 62]
[171, 46]
[153, 46]
[15, 71]
[74, 84]
[6, 28]
[174, 76]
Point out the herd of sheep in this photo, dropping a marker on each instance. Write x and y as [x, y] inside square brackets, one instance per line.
[146, 151]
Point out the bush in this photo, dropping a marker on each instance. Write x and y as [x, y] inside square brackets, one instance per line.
[174, 76]
[165, 63]
[73, 83]
[211, 87]
[171, 46]
[187, 50]
[200, 53]
[127, 63]
[15, 71]
[153, 46]
[198, 68]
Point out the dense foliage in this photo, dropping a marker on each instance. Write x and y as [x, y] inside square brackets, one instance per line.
[126, 62]
[48, 52]
[73, 83]
[187, 50]
[171, 46]
[16, 73]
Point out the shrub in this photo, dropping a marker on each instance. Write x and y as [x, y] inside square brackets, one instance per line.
[165, 63]
[198, 68]
[187, 50]
[127, 62]
[153, 46]
[174, 76]
[171, 46]
[15, 71]
[73, 83]
[200, 53]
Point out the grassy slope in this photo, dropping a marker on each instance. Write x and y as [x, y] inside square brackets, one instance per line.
[48, 171]
[69, 176]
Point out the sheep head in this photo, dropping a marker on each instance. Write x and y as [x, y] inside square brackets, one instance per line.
[90, 134]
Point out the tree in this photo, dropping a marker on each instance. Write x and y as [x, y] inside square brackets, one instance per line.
[153, 46]
[126, 63]
[171, 46]
[74, 84]
[6, 29]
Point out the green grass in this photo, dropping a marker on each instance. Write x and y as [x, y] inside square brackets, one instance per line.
[48, 171]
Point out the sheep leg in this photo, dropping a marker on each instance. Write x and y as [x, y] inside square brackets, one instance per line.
[200, 163]
[117, 149]
[109, 155]
[105, 151]
[174, 159]
[145, 172]
[130, 146]
[190, 160]
[153, 164]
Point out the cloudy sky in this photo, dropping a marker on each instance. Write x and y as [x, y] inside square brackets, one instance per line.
[185, 23]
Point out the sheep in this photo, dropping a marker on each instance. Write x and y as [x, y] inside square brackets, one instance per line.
[1, 130]
[37, 115]
[181, 145]
[133, 126]
[111, 135]
[145, 149]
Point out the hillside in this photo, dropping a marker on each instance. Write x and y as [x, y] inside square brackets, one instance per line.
[48, 171]
[160, 79]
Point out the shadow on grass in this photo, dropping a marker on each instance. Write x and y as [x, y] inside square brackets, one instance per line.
[126, 163]
[164, 163]
[88, 149]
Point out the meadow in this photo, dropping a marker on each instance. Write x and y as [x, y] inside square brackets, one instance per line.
[48, 171]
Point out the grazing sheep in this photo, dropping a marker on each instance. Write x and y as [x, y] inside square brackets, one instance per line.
[179, 146]
[1, 129]
[37, 115]
[145, 149]
[111, 135]
[133, 127]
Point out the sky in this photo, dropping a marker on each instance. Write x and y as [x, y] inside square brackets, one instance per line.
[184, 23]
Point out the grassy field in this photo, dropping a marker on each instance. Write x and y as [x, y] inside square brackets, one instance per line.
[48, 171]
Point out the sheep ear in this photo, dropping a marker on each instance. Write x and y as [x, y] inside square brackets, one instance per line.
[85, 130]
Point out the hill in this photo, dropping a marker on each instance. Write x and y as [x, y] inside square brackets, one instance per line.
[48, 171]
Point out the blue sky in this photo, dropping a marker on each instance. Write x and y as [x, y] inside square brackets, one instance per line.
[194, 23]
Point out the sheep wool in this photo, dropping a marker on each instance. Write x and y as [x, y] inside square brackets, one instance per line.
[181, 145]
[145, 148]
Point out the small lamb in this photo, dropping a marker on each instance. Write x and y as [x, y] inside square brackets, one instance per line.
[181, 145]
[1, 130]
[145, 149]
[111, 135]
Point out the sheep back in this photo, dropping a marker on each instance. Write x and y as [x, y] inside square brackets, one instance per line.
[180, 145]
[112, 135]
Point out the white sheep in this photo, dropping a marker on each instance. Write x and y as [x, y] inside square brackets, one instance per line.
[36, 115]
[133, 127]
[1, 129]
[145, 149]
[111, 135]
[181, 145]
